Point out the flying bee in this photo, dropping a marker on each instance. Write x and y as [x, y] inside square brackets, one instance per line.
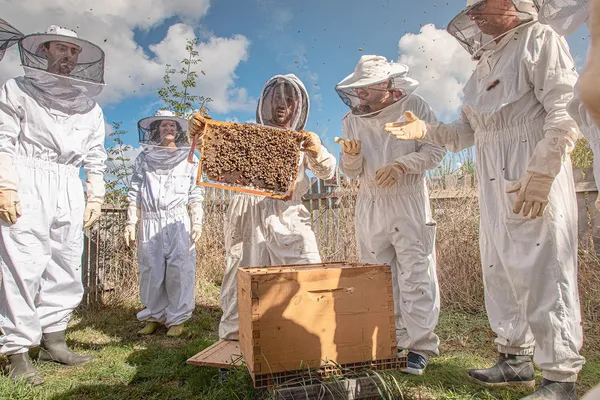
[493, 85]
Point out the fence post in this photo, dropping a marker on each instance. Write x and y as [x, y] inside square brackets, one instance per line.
[582, 214]
[594, 213]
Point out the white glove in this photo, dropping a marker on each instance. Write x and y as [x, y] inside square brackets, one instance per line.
[92, 212]
[133, 215]
[412, 129]
[350, 147]
[196, 125]
[532, 191]
[196, 217]
[129, 235]
[388, 175]
[10, 207]
[95, 188]
[312, 144]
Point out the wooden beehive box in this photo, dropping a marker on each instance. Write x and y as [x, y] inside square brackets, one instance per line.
[306, 316]
[250, 158]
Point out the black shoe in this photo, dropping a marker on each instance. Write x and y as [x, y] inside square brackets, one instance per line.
[54, 348]
[223, 374]
[509, 370]
[416, 364]
[554, 391]
[21, 368]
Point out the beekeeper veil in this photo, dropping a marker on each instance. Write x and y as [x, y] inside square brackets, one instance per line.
[283, 103]
[9, 36]
[483, 24]
[375, 84]
[564, 16]
[61, 70]
[164, 138]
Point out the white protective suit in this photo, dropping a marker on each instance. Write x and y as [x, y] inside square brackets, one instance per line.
[566, 17]
[45, 141]
[394, 225]
[163, 187]
[263, 231]
[529, 265]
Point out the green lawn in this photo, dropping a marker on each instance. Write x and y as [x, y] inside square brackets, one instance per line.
[130, 367]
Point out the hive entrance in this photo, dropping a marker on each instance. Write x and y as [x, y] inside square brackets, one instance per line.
[250, 158]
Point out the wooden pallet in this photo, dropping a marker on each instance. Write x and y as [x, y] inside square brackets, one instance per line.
[326, 371]
[227, 354]
[223, 354]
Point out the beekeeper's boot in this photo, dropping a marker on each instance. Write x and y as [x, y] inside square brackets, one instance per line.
[54, 348]
[150, 328]
[509, 370]
[21, 368]
[554, 391]
[175, 330]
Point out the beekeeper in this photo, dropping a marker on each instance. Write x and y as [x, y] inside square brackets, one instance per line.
[164, 195]
[566, 17]
[588, 87]
[393, 218]
[514, 112]
[50, 127]
[262, 231]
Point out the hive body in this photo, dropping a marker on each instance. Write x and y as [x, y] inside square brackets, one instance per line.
[309, 316]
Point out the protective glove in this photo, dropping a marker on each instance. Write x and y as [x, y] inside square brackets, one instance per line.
[133, 214]
[388, 175]
[412, 129]
[196, 126]
[350, 147]
[129, 235]
[92, 212]
[532, 191]
[196, 232]
[95, 188]
[196, 216]
[312, 144]
[10, 206]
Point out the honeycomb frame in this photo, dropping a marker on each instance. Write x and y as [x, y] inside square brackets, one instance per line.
[206, 138]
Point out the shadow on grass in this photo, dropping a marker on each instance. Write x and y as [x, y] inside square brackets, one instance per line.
[164, 375]
[128, 366]
[119, 321]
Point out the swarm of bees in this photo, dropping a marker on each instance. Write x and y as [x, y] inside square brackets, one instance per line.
[254, 156]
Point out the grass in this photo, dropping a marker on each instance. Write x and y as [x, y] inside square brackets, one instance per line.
[127, 366]
[131, 367]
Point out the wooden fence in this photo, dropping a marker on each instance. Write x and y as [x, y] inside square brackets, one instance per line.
[107, 262]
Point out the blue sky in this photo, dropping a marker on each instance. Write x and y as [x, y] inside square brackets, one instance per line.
[320, 41]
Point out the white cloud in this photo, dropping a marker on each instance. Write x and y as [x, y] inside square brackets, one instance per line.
[130, 71]
[216, 71]
[579, 61]
[129, 156]
[441, 66]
